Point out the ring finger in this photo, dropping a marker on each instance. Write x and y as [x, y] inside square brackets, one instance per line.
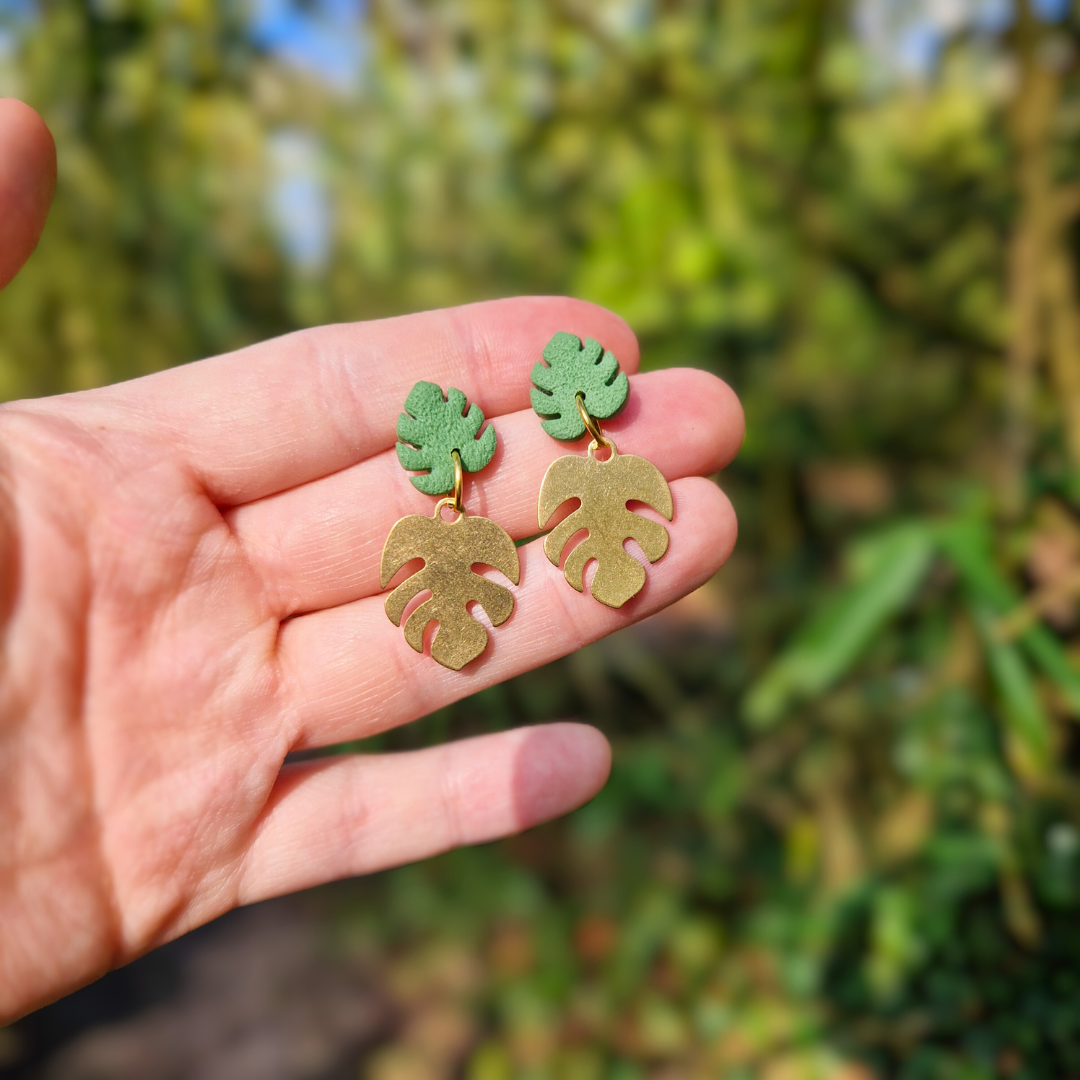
[337, 690]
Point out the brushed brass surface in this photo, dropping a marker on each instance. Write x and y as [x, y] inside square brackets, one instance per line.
[604, 488]
[450, 550]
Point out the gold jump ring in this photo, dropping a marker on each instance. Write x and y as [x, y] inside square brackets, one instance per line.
[459, 483]
[592, 425]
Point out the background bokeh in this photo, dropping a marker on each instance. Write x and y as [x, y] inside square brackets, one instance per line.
[841, 835]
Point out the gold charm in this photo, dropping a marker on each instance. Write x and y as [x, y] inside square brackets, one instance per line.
[604, 488]
[449, 549]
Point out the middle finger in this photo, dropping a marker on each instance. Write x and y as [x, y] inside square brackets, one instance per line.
[319, 545]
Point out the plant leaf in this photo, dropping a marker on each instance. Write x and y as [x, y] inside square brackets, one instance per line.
[1025, 719]
[884, 570]
[574, 368]
[432, 427]
[969, 546]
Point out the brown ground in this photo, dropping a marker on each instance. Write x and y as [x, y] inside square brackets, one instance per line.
[262, 994]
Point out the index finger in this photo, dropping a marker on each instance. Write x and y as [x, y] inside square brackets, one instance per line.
[281, 413]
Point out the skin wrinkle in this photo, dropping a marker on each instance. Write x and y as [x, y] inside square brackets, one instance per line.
[25, 950]
[286, 782]
[289, 780]
[397, 658]
[351, 373]
[335, 382]
[288, 678]
[352, 814]
[450, 802]
[124, 940]
[356, 814]
[477, 347]
[211, 831]
[127, 494]
[264, 767]
[267, 737]
[92, 441]
[334, 354]
[112, 931]
[378, 693]
[197, 566]
[198, 570]
[210, 684]
[43, 776]
[380, 705]
[263, 555]
[274, 567]
[217, 478]
[12, 734]
[420, 696]
[234, 549]
[356, 367]
[195, 569]
[289, 691]
[208, 829]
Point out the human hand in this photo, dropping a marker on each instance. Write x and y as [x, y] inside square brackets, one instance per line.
[189, 592]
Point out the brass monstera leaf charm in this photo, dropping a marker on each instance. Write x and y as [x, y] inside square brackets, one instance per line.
[450, 550]
[604, 488]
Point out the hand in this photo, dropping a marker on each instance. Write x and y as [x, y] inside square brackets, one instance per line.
[189, 592]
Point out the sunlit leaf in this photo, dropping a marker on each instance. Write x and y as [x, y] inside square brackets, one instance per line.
[885, 572]
[968, 544]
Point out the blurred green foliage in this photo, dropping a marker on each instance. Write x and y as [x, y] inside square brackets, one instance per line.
[841, 836]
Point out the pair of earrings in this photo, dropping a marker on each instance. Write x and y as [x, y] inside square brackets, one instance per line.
[579, 385]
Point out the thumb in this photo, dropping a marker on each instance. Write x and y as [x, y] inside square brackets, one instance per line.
[27, 181]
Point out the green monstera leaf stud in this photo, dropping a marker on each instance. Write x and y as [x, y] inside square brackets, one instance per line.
[573, 368]
[432, 427]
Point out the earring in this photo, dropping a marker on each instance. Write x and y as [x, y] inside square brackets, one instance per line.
[578, 386]
[438, 436]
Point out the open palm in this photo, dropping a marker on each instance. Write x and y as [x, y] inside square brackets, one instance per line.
[189, 592]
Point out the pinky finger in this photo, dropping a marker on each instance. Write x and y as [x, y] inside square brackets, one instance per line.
[355, 815]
